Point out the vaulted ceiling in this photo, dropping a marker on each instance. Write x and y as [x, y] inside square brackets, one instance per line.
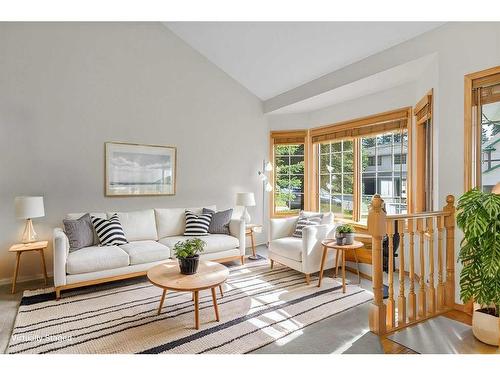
[270, 58]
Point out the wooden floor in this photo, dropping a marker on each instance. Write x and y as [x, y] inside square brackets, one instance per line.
[391, 347]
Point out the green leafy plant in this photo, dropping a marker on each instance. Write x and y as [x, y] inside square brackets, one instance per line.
[345, 228]
[188, 248]
[478, 216]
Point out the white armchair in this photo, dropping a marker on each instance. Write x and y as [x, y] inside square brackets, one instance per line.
[301, 254]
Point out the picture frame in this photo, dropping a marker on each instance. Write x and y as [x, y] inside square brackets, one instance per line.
[133, 169]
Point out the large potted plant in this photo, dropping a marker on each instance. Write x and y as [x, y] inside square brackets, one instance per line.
[187, 252]
[479, 218]
[344, 234]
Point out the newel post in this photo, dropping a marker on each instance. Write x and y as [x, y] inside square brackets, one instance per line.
[449, 224]
[377, 229]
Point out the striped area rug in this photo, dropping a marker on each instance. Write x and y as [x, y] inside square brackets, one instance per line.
[259, 306]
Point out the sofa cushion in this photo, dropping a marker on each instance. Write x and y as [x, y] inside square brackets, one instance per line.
[96, 258]
[80, 232]
[172, 221]
[74, 216]
[145, 251]
[138, 225]
[288, 247]
[214, 242]
[109, 231]
[220, 221]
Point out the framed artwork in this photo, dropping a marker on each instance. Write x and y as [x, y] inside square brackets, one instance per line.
[139, 170]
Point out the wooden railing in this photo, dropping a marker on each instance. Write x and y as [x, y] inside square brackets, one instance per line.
[425, 289]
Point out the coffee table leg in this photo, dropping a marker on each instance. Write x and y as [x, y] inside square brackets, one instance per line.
[161, 301]
[216, 309]
[337, 263]
[196, 311]
[221, 291]
[343, 271]
[325, 250]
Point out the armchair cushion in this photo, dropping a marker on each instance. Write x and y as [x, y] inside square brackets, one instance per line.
[306, 221]
[288, 247]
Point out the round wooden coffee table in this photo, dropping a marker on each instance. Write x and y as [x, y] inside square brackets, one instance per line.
[332, 244]
[210, 275]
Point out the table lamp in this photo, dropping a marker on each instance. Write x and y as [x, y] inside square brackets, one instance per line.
[29, 208]
[245, 200]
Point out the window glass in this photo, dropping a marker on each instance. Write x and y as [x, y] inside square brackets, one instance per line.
[490, 145]
[336, 178]
[388, 177]
[289, 178]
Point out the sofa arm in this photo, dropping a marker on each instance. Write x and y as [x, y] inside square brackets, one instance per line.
[312, 236]
[61, 251]
[237, 229]
[282, 227]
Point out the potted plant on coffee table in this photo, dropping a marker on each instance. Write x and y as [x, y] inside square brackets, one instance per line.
[187, 252]
[344, 234]
[479, 219]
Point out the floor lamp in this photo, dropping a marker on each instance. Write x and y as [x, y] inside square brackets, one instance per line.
[267, 187]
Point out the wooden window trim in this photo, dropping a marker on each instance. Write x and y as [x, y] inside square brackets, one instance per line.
[472, 81]
[423, 112]
[289, 137]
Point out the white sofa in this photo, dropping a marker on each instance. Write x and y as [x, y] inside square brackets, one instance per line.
[301, 254]
[151, 234]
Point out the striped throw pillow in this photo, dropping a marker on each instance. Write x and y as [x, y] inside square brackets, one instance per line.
[304, 222]
[197, 225]
[110, 231]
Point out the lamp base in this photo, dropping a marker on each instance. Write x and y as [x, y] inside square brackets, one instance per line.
[29, 234]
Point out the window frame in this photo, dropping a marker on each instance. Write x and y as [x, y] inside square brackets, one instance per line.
[472, 142]
[311, 173]
[288, 137]
[424, 127]
[354, 126]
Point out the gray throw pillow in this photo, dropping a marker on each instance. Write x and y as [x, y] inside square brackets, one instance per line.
[220, 221]
[80, 232]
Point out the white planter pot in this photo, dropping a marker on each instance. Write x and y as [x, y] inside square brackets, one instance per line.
[486, 328]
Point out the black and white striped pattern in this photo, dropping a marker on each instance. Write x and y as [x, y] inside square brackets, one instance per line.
[259, 306]
[110, 231]
[197, 225]
[304, 222]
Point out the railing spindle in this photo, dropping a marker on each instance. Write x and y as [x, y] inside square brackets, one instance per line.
[440, 286]
[431, 291]
[391, 306]
[401, 298]
[449, 223]
[422, 308]
[412, 298]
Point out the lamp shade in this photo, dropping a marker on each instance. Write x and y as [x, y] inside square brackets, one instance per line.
[245, 199]
[29, 207]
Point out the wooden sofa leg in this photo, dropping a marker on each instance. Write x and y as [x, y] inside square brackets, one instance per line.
[242, 259]
[272, 264]
[308, 279]
[58, 293]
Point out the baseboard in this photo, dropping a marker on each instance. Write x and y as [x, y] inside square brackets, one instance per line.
[22, 279]
[466, 308]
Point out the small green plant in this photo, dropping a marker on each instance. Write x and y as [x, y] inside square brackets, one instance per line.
[479, 218]
[345, 228]
[188, 248]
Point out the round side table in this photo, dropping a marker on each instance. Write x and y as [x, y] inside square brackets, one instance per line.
[332, 244]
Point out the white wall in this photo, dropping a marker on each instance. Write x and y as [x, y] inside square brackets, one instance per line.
[459, 49]
[65, 89]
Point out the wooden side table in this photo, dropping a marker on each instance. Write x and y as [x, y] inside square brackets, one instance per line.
[210, 275]
[39, 246]
[332, 244]
[250, 229]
